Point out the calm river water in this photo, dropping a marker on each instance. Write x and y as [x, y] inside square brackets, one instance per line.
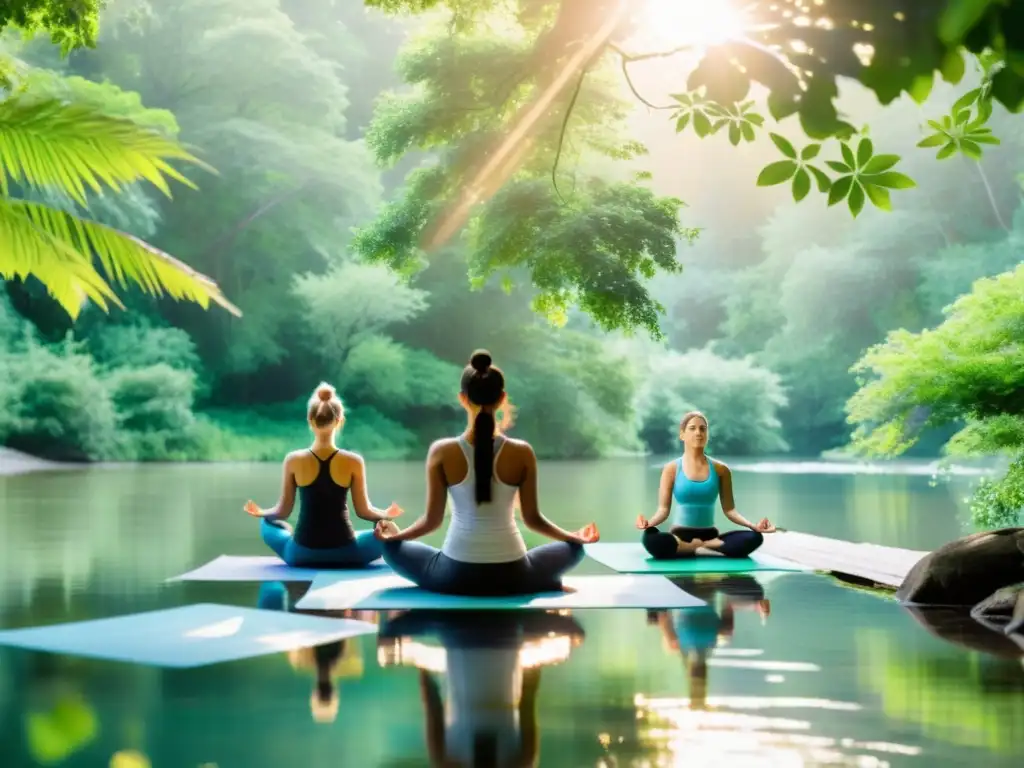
[829, 676]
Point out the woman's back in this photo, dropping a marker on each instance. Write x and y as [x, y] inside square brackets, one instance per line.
[323, 509]
[484, 532]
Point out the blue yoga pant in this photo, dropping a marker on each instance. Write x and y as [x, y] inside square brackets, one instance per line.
[664, 546]
[277, 535]
[540, 570]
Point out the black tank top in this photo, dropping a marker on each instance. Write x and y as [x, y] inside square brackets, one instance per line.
[323, 511]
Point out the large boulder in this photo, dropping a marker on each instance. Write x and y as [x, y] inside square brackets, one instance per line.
[966, 571]
[1003, 610]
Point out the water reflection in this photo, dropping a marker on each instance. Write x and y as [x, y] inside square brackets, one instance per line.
[328, 663]
[491, 664]
[701, 729]
[695, 632]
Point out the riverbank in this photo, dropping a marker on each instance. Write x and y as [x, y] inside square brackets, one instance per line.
[17, 463]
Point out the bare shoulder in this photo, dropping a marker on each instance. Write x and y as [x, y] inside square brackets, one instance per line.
[519, 447]
[293, 457]
[350, 458]
[670, 467]
[440, 449]
[721, 468]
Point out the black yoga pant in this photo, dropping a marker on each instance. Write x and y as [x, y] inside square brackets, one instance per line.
[540, 570]
[664, 546]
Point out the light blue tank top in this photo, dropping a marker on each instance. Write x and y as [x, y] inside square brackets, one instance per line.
[697, 628]
[695, 502]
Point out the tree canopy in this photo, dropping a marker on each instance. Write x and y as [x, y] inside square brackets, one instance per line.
[788, 58]
[70, 23]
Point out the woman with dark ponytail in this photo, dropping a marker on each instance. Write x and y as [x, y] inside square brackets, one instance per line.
[483, 471]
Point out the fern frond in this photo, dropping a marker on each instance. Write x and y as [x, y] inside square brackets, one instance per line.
[48, 142]
[58, 247]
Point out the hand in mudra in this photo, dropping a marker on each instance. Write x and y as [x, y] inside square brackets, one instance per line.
[394, 510]
[588, 534]
[764, 526]
[385, 530]
[642, 522]
[253, 509]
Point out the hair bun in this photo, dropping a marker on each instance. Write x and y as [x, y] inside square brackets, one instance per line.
[325, 392]
[481, 360]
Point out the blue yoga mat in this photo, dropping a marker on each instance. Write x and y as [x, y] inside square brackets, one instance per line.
[263, 568]
[633, 558]
[335, 592]
[191, 636]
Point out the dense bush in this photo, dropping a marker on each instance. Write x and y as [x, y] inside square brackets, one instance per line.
[741, 400]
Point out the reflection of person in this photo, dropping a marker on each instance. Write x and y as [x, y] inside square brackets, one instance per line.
[696, 481]
[330, 661]
[696, 632]
[483, 471]
[324, 475]
[492, 666]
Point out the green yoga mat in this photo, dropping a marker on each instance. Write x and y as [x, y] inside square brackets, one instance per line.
[633, 558]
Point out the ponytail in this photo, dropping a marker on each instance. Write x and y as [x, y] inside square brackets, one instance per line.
[483, 454]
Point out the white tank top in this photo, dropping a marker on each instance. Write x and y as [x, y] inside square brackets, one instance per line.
[484, 689]
[483, 533]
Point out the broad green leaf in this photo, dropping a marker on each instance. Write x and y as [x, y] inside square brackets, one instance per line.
[921, 87]
[984, 110]
[879, 196]
[683, 98]
[776, 173]
[801, 184]
[735, 134]
[970, 149]
[961, 117]
[856, 199]
[864, 151]
[880, 163]
[965, 101]
[952, 66]
[701, 124]
[840, 189]
[848, 157]
[783, 144]
[838, 167]
[682, 122]
[935, 140]
[892, 180]
[946, 151]
[983, 138]
[748, 132]
[810, 151]
[755, 119]
[824, 182]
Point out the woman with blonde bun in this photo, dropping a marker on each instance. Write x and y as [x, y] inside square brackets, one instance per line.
[324, 475]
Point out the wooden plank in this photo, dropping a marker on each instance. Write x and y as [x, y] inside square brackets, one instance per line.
[885, 566]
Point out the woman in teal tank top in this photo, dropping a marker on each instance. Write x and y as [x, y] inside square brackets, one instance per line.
[697, 482]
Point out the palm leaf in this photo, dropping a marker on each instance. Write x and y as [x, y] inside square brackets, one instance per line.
[57, 248]
[48, 142]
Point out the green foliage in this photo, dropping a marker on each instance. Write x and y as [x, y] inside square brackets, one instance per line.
[266, 102]
[970, 368]
[154, 413]
[47, 141]
[495, 153]
[59, 408]
[69, 23]
[796, 59]
[742, 401]
[352, 304]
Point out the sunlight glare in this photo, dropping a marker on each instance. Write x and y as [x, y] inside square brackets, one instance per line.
[701, 23]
